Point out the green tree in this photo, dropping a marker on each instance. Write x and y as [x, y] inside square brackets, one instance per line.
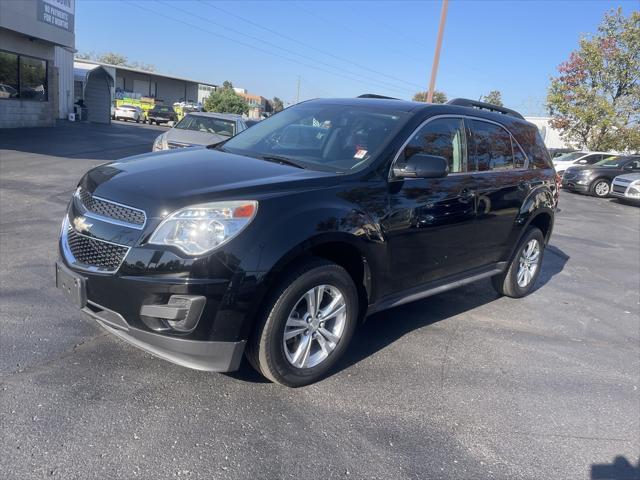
[226, 100]
[595, 99]
[494, 97]
[227, 84]
[112, 58]
[278, 106]
[438, 97]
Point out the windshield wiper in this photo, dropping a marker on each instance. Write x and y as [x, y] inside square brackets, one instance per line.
[282, 160]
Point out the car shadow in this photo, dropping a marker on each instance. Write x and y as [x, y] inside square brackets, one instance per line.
[384, 328]
[619, 469]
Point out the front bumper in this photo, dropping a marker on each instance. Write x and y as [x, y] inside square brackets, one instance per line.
[119, 303]
[573, 186]
[209, 356]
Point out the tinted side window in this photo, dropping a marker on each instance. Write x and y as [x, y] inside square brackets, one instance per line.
[443, 137]
[493, 149]
[519, 158]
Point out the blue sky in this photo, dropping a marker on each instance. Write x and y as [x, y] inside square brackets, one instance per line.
[348, 48]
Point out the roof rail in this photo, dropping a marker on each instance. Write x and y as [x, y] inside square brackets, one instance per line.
[465, 102]
[373, 95]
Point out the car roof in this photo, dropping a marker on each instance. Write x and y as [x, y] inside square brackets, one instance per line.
[224, 116]
[420, 108]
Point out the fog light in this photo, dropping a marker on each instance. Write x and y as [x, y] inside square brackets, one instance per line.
[180, 314]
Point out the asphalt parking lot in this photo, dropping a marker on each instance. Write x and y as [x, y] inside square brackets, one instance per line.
[461, 385]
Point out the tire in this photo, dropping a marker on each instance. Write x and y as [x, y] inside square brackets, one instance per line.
[600, 188]
[287, 309]
[138, 120]
[507, 283]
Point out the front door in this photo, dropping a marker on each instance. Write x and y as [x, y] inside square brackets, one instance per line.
[430, 220]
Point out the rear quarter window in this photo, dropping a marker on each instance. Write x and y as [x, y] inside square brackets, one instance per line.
[531, 142]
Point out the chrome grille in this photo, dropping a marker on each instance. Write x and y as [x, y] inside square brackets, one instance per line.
[112, 210]
[93, 253]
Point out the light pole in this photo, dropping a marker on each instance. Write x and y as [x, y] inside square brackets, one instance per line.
[436, 56]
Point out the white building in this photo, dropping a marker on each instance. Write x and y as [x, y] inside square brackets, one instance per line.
[37, 43]
[550, 135]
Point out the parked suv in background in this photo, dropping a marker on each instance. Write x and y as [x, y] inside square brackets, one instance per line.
[626, 188]
[596, 179]
[280, 240]
[161, 114]
[567, 160]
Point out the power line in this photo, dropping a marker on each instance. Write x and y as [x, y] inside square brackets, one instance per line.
[342, 25]
[307, 45]
[369, 81]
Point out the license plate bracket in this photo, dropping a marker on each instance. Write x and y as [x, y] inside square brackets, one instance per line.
[73, 285]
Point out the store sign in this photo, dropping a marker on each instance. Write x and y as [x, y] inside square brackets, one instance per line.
[59, 13]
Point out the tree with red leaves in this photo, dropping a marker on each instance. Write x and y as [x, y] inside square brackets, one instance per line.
[595, 99]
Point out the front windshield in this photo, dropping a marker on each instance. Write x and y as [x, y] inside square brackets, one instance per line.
[203, 124]
[567, 157]
[609, 162]
[321, 136]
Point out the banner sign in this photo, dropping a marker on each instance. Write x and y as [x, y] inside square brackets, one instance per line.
[59, 13]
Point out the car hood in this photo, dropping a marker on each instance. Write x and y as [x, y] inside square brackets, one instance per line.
[193, 137]
[630, 177]
[165, 181]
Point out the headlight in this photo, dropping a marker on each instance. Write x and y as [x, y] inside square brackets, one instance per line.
[202, 228]
[160, 143]
[634, 191]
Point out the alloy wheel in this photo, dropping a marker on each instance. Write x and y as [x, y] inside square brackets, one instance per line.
[602, 189]
[315, 326]
[528, 263]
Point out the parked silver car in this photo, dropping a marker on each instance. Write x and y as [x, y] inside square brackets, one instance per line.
[626, 187]
[200, 128]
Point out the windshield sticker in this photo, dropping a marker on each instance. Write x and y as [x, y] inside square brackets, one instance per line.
[360, 154]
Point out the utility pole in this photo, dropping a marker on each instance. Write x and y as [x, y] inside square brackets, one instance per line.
[298, 95]
[436, 56]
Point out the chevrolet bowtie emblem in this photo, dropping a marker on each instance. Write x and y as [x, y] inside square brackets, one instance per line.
[81, 225]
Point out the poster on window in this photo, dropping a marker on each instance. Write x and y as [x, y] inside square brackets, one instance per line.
[59, 13]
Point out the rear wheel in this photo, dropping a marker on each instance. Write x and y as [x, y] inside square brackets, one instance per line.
[601, 188]
[521, 275]
[307, 324]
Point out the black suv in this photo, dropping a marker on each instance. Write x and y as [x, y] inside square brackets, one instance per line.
[277, 242]
[161, 114]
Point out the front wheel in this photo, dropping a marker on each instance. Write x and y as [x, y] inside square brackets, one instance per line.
[307, 324]
[521, 275]
[601, 188]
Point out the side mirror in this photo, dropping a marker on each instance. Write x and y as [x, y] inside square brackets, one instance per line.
[628, 166]
[421, 165]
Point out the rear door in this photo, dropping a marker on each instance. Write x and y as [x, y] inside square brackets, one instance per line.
[503, 183]
[430, 219]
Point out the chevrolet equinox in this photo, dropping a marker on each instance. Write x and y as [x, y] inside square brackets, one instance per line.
[277, 242]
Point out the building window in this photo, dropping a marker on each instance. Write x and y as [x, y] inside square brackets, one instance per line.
[8, 75]
[23, 77]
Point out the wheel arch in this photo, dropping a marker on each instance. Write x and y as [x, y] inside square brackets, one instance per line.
[341, 248]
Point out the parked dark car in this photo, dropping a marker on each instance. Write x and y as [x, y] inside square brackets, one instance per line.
[596, 179]
[280, 240]
[161, 114]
